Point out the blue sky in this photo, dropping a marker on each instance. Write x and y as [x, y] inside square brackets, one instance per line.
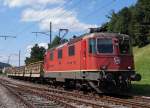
[21, 17]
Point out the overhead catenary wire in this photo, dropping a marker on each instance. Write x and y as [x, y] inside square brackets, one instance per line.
[64, 13]
[100, 8]
[28, 27]
[87, 16]
[57, 9]
[66, 3]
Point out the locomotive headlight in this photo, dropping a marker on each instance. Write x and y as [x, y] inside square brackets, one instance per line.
[120, 77]
[129, 67]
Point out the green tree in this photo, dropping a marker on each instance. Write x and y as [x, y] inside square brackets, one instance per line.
[113, 19]
[134, 21]
[119, 21]
[57, 40]
[143, 18]
[37, 54]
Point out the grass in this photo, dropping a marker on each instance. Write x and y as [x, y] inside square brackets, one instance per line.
[142, 66]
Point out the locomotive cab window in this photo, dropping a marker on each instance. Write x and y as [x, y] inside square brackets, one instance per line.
[71, 50]
[92, 45]
[104, 45]
[51, 56]
[124, 46]
[59, 53]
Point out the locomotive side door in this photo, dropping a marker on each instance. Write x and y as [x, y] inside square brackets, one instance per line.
[83, 55]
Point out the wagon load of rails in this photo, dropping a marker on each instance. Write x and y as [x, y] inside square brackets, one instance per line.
[97, 61]
[31, 70]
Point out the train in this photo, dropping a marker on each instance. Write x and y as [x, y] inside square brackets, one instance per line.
[98, 61]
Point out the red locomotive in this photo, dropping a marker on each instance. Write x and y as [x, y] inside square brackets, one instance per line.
[105, 59]
[96, 60]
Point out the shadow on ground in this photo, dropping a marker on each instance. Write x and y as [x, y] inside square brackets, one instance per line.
[141, 89]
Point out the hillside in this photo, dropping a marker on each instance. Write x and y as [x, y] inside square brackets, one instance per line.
[142, 65]
[2, 65]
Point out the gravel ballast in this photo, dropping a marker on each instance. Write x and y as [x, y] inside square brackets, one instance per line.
[8, 100]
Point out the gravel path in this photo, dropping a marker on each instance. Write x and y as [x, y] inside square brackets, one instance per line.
[7, 100]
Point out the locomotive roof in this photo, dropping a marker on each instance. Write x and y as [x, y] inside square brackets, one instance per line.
[88, 35]
[117, 35]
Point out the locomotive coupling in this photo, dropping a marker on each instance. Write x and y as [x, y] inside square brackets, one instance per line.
[135, 77]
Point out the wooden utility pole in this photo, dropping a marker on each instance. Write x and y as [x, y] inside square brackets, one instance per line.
[8, 59]
[19, 57]
[49, 33]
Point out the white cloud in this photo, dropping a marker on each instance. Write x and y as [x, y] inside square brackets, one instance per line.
[45, 45]
[28, 50]
[20, 3]
[60, 18]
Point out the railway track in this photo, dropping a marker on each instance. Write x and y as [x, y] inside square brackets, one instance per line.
[26, 103]
[76, 99]
[134, 102]
[65, 101]
[29, 100]
[39, 102]
[2, 105]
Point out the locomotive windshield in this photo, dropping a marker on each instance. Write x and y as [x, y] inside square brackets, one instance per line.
[124, 46]
[104, 45]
